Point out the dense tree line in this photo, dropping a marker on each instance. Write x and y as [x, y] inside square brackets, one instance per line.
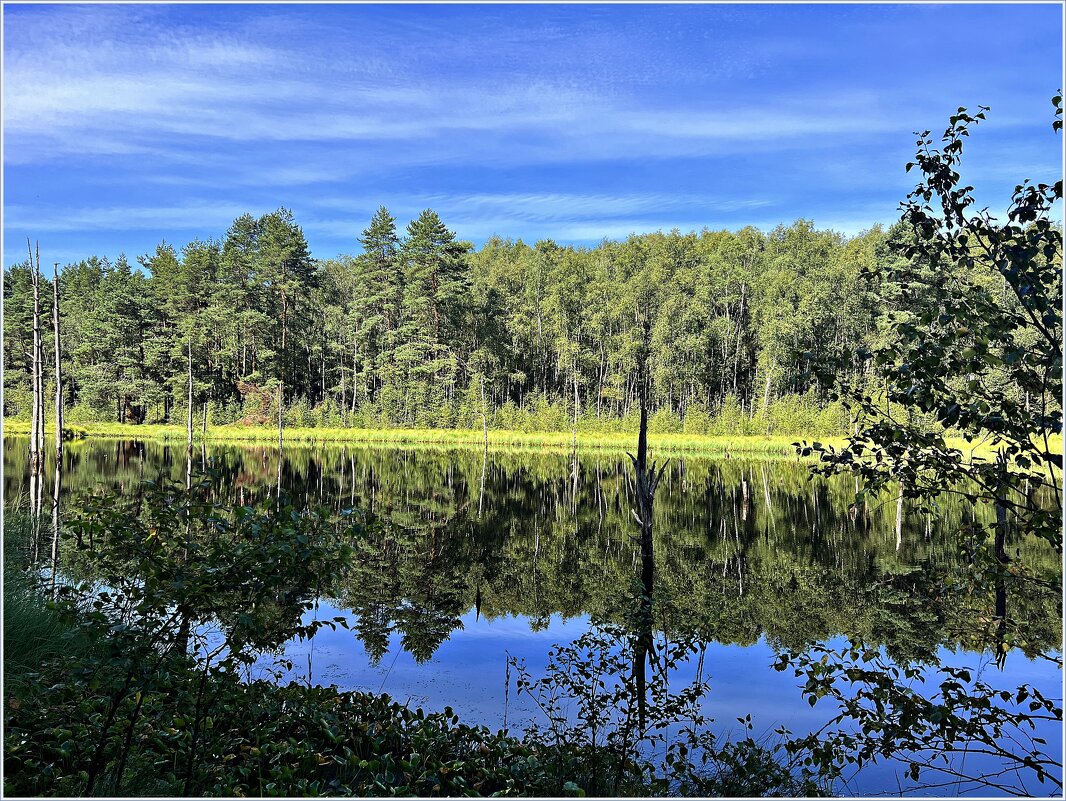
[423, 330]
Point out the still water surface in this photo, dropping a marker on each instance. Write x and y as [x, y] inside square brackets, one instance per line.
[485, 557]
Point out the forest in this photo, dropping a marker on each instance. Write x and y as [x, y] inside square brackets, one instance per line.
[423, 330]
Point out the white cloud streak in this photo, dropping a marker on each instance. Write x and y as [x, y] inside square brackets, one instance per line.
[201, 217]
[126, 90]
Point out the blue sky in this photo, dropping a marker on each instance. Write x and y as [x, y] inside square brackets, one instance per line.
[125, 125]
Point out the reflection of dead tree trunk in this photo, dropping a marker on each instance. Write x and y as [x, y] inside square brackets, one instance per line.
[281, 459]
[1001, 509]
[1001, 556]
[481, 490]
[574, 464]
[56, 488]
[184, 631]
[485, 450]
[899, 518]
[35, 517]
[766, 495]
[1001, 623]
[647, 480]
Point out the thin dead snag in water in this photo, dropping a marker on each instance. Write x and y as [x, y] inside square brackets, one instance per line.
[647, 481]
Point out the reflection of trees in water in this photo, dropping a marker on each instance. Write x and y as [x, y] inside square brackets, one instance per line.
[743, 549]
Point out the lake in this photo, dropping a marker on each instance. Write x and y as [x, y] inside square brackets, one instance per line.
[480, 557]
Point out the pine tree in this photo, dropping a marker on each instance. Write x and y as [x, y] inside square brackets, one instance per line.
[375, 303]
[285, 272]
[435, 286]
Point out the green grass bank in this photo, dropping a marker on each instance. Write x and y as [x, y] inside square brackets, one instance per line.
[557, 440]
[770, 446]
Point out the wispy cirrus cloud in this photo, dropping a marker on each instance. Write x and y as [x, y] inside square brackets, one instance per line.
[117, 90]
[124, 123]
[184, 217]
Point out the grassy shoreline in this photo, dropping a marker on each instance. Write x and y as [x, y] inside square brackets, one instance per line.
[771, 446]
[774, 445]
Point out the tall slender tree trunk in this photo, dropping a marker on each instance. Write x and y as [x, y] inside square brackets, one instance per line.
[577, 403]
[540, 349]
[59, 365]
[740, 329]
[484, 414]
[766, 390]
[40, 360]
[188, 420]
[40, 393]
[601, 374]
[355, 373]
[35, 367]
[281, 377]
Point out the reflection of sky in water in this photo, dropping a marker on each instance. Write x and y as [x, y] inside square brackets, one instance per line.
[468, 673]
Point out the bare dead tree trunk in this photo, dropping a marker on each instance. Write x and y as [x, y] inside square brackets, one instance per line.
[59, 365]
[39, 357]
[484, 414]
[577, 408]
[740, 322]
[766, 391]
[355, 374]
[35, 367]
[281, 378]
[647, 480]
[188, 421]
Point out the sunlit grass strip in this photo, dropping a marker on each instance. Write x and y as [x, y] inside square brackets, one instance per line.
[773, 445]
[555, 440]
